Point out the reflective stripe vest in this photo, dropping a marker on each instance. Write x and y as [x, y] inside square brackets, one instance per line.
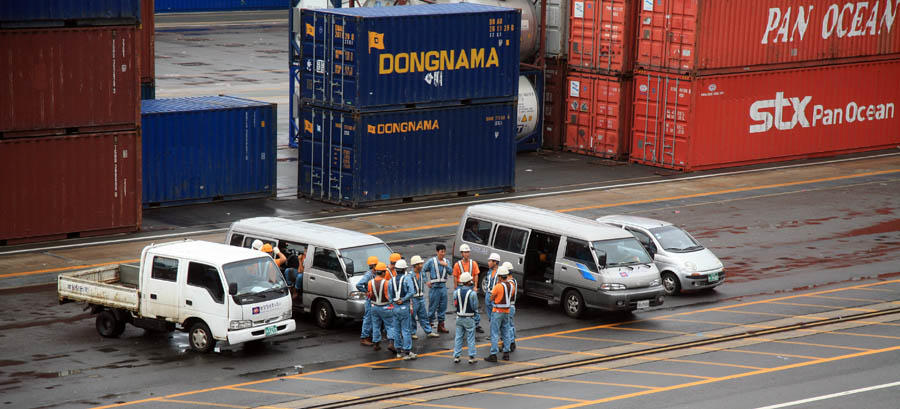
[462, 303]
[492, 279]
[441, 272]
[515, 289]
[397, 284]
[509, 290]
[379, 287]
[418, 283]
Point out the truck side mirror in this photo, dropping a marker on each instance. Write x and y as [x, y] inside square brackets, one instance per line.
[601, 259]
[232, 288]
[348, 267]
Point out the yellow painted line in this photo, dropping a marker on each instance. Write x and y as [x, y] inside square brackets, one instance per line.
[432, 371]
[830, 307]
[654, 344]
[890, 324]
[729, 324]
[772, 314]
[301, 395]
[691, 361]
[521, 395]
[53, 270]
[745, 351]
[730, 377]
[557, 351]
[657, 331]
[677, 375]
[883, 290]
[853, 334]
[400, 385]
[810, 344]
[434, 405]
[579, 381]
[192, 402]
[832, 297]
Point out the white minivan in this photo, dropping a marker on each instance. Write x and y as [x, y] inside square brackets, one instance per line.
[335, 261]
[562, 258]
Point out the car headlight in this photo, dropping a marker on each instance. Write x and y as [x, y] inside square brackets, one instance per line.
[240, 324]
[654, 283]
[287, 314]
[690, 266]
[612, 286]
[357, 296]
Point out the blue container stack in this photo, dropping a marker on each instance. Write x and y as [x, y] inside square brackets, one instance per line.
[204, 149]
[399, 102]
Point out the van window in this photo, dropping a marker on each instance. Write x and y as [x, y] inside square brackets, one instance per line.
[164, 268]
[510, 239]
[579, 252]
[236, 239]
[477, 231]
[291, 249]
[206, 276]
[248, 241]
[326, 260]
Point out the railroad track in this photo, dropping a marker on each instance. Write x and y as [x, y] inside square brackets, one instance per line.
[398, 396]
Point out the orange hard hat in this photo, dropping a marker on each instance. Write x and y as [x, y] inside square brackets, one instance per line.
[372, 260]
[380, 267]
[395, 257]
[266, 248]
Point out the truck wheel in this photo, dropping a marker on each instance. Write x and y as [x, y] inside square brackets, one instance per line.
[201, 338]
[573, 304]
[324, 314]
[108, 326]
[670, 283]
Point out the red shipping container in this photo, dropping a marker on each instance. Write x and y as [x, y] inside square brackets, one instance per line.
[722, 36]
[69, 186]
[598, 115]
[148, 42]
[57, 79]
[741, 119]
[601, 35]
[554, 103]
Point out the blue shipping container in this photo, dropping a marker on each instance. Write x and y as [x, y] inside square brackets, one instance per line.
[202, 149]
[359, 158]
[170, 6]
[47, 13]
[363, 58]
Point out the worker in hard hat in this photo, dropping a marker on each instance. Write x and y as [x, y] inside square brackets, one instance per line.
[419, 307]
[365, 337]
[402, 292]
[379, 293]
[465, 299]
[439, 270]
[467, 265]
[512, 307]
[490, 281]
[393, 259]
[503, 292]
[275, 253]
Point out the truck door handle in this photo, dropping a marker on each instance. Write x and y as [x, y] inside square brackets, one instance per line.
[152, 296]
[520, 260]
[312, 277]
[562, 268]
[188, 302]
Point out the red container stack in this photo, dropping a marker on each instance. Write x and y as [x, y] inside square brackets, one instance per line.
[598, 114]
[555, 73]
[147, 32]
[730, 83]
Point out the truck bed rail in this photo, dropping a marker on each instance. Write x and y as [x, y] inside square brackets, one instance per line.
[98, 286]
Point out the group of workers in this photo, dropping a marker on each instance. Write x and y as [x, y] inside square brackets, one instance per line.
[291, 267]
[396, 302]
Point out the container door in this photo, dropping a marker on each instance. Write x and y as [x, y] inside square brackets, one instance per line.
[597, 33]
[326, 154]
[510, 244]
[596, 115]
[203, 296]
[660, 129]
[160, 295]
[666, 35]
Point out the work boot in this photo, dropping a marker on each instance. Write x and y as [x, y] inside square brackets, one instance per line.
[410, 356]
[441, 328]
[506, 356]
[512, 347]
[492, 358]
[377, 346]
[391, 347]
[479, 330]
[472, 360]
[366, 342]
[433, 334]
[456, 360]
[415, 336]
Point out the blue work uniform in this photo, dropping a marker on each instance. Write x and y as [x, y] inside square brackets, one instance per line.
[419, 308]
[500, 319]
[362, 285]
[491, 282]
[402, 291]
[466, 301]
[379, 293]
[437, 295]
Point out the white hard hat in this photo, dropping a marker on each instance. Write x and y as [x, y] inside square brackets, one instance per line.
[502, 271]
[507, 265]
[400, 264]
[257, 244]
[465, 277]
[495, 257]
[415, 260]
[464, 247]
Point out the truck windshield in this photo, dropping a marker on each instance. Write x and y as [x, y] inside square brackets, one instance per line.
[254, 276]
[674, 239]
[622, 252]
[360, 254]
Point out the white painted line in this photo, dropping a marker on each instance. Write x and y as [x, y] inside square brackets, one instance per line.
[831, 396]
[454, 204]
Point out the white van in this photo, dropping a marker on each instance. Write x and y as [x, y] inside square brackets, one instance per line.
[563, 258]
[335, 261]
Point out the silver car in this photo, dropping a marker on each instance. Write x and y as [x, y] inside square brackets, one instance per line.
[683, 263]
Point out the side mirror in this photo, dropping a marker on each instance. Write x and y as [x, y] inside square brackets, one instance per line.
[348, 267]
[601, 259]
[232, 288]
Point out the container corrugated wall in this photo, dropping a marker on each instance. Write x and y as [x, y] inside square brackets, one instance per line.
[363, 58]
[70, 186]
[148, 43]
[740, 119]
[355, 159]
[554, 103]
[557, 36]
[682, 36]
[44, 13]
[169, 6]
[601, 35]
[202, 149]
[598, 115]
[61, 78]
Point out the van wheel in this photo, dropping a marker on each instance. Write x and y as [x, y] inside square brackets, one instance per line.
[324, 314]
[573, 304]
[201, 338]
[108, 326]
[670, 283]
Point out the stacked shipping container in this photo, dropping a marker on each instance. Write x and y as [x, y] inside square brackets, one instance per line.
[147, 32]
[69, 130]
[387, 115]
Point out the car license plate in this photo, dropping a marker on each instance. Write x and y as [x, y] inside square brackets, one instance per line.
[713, 277]
[271, 330]
[643, 304]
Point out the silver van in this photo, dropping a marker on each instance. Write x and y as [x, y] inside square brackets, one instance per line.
[563, 258]
[335, 261]
[684, 263]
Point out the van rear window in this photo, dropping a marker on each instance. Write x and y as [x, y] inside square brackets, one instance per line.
[510, 239]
